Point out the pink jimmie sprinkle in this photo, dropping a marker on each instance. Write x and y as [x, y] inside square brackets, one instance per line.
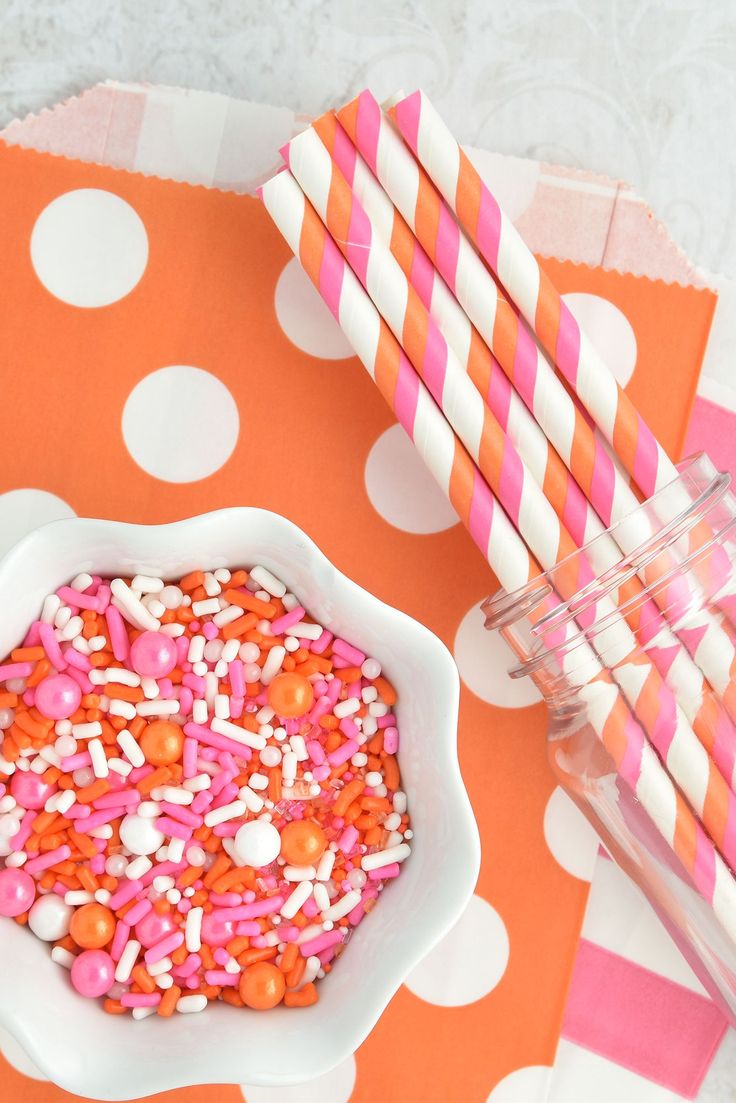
[282, 623]
[125, 894]
[163, 948]
[190, 758]
[118, 635]
[219, 976]
[50, 645]
[188, 966]
[171, 827]
[136, 913]
[344, 752]
[348, 839]
[141, 999]
[119, 939]
[385, 872]
[322, 942]
[50, 858]
[15, 670]
[391, 740]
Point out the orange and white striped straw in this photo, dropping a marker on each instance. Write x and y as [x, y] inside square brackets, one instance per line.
[383, 358]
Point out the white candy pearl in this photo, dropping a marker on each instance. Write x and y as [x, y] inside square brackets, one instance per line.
[171, 597]
[370, 669]
[49, 918]
[257, 844]
[270, 756]
[140, 835]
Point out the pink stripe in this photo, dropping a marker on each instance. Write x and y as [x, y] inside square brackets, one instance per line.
[567, 351]
[575, 512]
[422, 275]
[511, 482]
[646, 459]
[602, 483]
[482, 505]
[406, 394]
[368, 127]
[344, 154]
[331, 273]
[525, 365]
[705, 870]
[434, 362]
[499, 394]
[641, 1020]
[50, 645]
[488, 230]
[118, 634]
[630, 767]
[359, 241]
[408, 112]
[665, 722]
[447, 246]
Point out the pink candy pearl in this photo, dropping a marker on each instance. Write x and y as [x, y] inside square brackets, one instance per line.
[153, 655]
[153, 927]
[30, 790]
[58, 696]
[93, 973]
[17, 892]
[216, 932]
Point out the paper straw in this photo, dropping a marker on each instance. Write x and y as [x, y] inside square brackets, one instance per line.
[486, 305]
[382, 357]
[570, 505]
[510, 481]
[568, 500]
[559, 334]
[538, 300]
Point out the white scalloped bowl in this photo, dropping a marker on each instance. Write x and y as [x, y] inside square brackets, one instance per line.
[113, 1057]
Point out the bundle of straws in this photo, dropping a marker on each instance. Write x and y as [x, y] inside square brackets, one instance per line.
[528, 433]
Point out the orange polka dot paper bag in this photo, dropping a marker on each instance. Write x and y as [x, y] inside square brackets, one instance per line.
[161, 355]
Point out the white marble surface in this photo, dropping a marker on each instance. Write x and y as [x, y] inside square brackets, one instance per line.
[640, 89]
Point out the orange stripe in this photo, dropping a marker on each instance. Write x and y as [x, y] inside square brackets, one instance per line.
[427, 216]
[467, 195]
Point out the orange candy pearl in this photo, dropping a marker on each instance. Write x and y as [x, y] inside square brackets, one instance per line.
[262, 986]
[92, 926]
[303, 842]
[290, 695]
[162, 742]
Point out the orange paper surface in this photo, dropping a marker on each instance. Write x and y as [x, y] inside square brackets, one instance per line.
[307, 428]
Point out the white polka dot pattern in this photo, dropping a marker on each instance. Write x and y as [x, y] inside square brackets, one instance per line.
[483, 659]
[469, 961]
[89, 248]
[525, 1085]
[401, 489]
[180, 424]
[336, 1086]
[21, 511]
[609, 331]
[572, 841]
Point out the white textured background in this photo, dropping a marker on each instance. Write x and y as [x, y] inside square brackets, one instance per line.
[639, 89]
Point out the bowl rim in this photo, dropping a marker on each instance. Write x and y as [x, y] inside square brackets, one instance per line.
[365, 1013]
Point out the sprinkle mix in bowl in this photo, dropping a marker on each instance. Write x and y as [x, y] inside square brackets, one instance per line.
[200, 795]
